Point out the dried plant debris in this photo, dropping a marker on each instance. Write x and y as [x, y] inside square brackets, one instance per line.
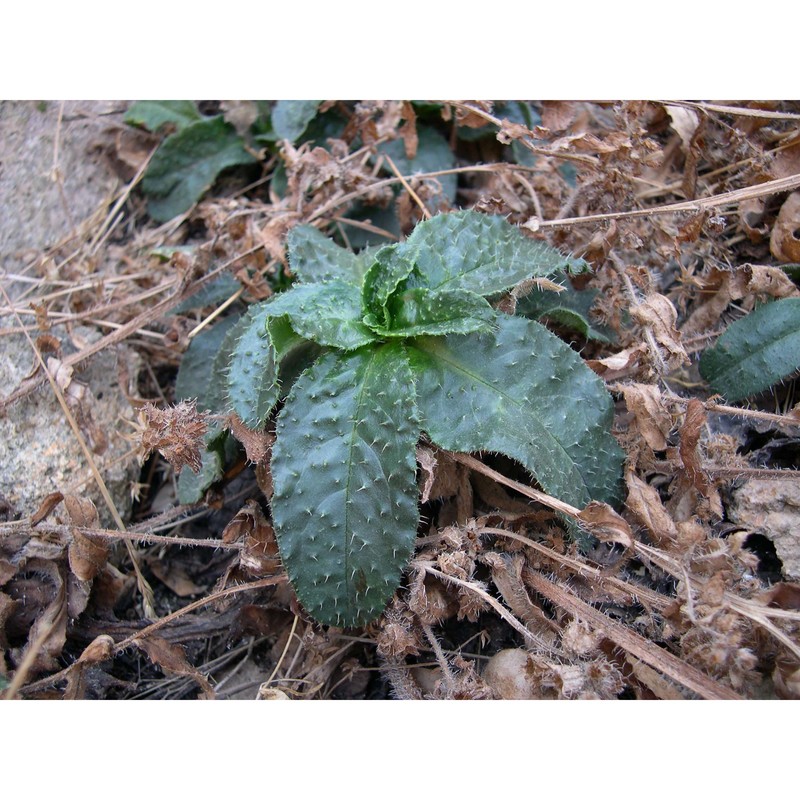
[162, 347]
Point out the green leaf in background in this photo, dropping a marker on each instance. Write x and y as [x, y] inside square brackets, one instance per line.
[188, 163]
[344, 470]
[756, 351]
[195, 372]
[569, 308]
[153, 114]
[192, 486]
[212, 294]
[433, 154]
[290, 118]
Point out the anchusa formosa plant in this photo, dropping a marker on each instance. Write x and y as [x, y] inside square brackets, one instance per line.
[381, 346]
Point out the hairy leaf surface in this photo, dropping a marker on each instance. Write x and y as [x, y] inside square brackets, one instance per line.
[479, 253]
[252, 374]
[417, 312]
[326, 313]
[523, 392]
[315, 258]
[344, 472]
[756, 351]
[389, 269]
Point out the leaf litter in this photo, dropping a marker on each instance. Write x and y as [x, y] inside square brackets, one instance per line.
[687, 213]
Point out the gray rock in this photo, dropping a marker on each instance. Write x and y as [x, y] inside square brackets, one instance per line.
[772, 508]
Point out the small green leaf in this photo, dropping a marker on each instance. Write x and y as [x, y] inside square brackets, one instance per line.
[290, 118]
[193, 486]
[252, 375]
[315, 258]
[418, 312]
[344, 471]
[187, 164]
[756, 351]
[569, 308]
[326, 313]
[523, 392]
[389, 269]
[153, 114]
[479, 253]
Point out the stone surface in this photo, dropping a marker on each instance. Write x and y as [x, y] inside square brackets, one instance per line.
[39, 452]
[772, 508]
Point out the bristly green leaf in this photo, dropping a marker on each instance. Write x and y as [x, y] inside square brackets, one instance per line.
[152, 114]
[525, 393]
[479, 253]
[326, 313]
[344, 471]
[756, 351]
[252, 374]
[315, 258]
[290, 118]
[187, 164]
[422, 312]
[389, 269]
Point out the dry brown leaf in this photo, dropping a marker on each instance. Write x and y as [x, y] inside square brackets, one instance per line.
[652, 418]
[408, 132]
[620, 364]
[644, 502]
[784, 243]
[45, 507]
[557, 115]
[172, 659]
[101, 649]
[603, 522]
[658, 314]
[257, 444]
[174, 576]
[260, 556]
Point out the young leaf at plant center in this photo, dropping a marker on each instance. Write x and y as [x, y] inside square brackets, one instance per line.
[480, 253]
[344, 472]
[188, 163]
[326, 313]
[422, 312]
[756, 351]
[389, 269]
[153, 114]
[569, 308]
[290, 118]
[314, 258]
[523, 392]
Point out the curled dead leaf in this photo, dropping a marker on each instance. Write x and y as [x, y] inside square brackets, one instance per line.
[604, 523]
[644, 502]
[652, 418]
[784, 243]
[257, 444]
[658, 314]
[172, 660]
